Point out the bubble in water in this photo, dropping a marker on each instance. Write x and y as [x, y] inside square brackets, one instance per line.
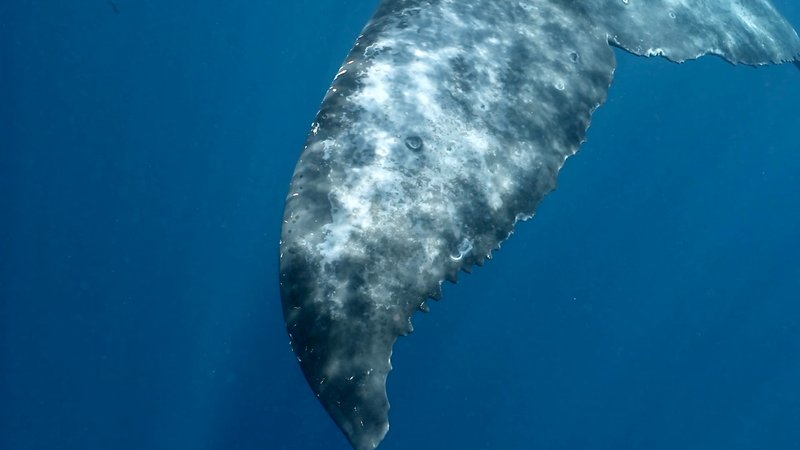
[463, 249]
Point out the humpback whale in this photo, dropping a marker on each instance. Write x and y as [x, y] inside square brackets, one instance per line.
[446, 125]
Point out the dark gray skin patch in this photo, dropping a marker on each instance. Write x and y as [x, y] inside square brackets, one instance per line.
[447, 124]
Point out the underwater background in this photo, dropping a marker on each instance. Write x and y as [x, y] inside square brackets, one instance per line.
[145, 154]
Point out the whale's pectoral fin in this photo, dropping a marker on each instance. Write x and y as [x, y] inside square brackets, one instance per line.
[747, 32]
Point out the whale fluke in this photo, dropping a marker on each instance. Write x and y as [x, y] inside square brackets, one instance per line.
[446, 125]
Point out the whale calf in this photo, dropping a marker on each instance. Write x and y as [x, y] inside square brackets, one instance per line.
[446, 125]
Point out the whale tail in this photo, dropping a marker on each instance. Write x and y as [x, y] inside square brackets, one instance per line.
[448, 124]
[749, 32]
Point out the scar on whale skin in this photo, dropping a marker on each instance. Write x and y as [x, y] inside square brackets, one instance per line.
[447, 124]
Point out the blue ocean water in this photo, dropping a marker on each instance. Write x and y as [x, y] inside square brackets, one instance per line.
[145, 153]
